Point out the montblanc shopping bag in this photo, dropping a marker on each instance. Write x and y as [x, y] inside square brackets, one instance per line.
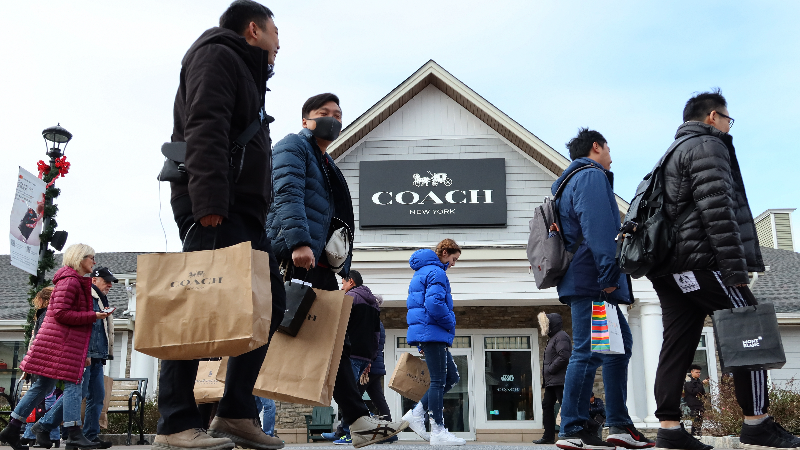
[606, 331]
[207, 389]
[410, 377]
[748, 338]
[302, 369]
[203, 304]
[299, 298]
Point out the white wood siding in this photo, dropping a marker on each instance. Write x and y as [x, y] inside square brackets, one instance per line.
[433, 126]
[783, 231]
[791, 345]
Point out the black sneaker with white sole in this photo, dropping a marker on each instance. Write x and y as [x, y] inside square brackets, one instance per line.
[583, 440]
[678, 439]
[629, 437]
[767, 435]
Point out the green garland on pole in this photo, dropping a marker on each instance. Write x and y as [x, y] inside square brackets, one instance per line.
[47, 261]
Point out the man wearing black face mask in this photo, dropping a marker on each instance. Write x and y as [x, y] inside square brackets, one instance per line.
[311, 212]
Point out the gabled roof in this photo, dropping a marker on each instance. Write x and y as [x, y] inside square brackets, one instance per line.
[781, 283]
[14, 283]
[433, 73]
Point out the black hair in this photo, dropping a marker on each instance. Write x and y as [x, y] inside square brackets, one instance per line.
[356, 277]
[701, 105]
[317, 101]
[695, 367]
[581, 145]
[241, 12]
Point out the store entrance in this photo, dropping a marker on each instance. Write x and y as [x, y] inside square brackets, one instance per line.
[458, 402]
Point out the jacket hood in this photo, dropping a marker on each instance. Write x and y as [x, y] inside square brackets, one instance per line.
[66, 272]
[365, 294]
[700, 128]
[555, 323]
[425, 257]
[577, 164]
[256, 59]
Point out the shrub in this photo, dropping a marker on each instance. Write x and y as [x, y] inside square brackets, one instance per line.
[723, 415]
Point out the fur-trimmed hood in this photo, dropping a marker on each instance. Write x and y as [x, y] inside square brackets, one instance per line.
[549, 324]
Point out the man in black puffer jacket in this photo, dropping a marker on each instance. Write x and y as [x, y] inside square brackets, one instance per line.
[554, 371]
[716, 247]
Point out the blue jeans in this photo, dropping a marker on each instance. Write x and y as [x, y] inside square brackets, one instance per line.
[40, 389]
[266, 408]
[444, 375]
[56, 415]
[55, 434]
[358, 367]
[582, 367]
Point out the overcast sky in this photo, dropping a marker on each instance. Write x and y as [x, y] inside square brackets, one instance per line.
[108, 72]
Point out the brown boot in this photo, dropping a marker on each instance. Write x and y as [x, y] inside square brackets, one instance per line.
[193, 438]
[244, 432]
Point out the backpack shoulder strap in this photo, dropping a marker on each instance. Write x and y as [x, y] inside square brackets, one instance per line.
[563, 184]
[558, 193]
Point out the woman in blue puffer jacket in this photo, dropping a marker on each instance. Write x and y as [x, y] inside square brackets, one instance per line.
[431, 327]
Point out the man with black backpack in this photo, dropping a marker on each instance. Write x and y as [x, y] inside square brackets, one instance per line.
[589, 216]
[707, 270]
[223, 200]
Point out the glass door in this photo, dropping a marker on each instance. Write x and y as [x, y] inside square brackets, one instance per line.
[458, 403]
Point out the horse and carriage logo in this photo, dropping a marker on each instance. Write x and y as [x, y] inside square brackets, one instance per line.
[434, 179]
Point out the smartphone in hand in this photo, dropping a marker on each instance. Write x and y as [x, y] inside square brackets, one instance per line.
[109, 310]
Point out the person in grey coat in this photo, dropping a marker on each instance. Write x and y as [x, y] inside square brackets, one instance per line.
[554, 371]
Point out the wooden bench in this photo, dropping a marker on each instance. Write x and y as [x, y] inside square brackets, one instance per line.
[128, 397]
[320, 421]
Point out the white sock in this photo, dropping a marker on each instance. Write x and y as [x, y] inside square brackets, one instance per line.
[418, 410]
[676, 427]
[755, 421]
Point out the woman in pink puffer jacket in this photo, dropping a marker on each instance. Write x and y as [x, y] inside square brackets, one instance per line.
[58, 352]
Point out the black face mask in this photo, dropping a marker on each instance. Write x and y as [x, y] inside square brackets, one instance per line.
[327, 129]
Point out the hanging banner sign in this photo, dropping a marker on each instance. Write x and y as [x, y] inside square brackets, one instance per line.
[26, 221]
[432, 193]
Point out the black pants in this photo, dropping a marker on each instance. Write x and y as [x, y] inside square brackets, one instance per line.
[551, 395]
[375, 390]
[345, 392]
[683, 315]
[697, 422]
[176, 381]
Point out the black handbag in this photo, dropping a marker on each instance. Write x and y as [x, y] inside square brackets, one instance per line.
[174, 169]
[749, 338]
[299, 298]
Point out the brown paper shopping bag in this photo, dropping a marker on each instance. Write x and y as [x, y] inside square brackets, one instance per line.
[410, 378]
[108, 385]
[302, 369]
[203, 304]
[207, 389]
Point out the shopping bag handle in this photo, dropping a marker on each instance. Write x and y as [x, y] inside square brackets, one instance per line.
[186, 238]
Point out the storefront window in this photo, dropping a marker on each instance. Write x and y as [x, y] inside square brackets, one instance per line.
[509, 378]
[458, 342]
[11, 354]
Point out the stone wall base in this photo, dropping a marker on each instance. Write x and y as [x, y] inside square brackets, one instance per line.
[491, 435]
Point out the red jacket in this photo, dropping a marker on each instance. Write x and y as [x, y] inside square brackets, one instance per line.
[59, 349]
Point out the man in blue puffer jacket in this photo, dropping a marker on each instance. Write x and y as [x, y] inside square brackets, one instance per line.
[588, 210]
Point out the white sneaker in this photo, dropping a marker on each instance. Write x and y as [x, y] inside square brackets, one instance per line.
[440, 436]
[417, 424]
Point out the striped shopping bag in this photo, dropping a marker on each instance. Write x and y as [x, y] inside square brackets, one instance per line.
[601, 339]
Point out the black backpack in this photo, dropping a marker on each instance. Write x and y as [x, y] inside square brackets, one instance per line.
[647, 237]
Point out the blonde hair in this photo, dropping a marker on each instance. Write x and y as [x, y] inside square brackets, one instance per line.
[447, 245]
[75, 254]
[42, 298]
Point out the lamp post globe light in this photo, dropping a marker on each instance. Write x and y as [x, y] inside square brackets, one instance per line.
[56, 139]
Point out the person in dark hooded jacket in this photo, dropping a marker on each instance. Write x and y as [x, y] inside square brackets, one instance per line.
[554, 370]
[225, 201]
[707, 271]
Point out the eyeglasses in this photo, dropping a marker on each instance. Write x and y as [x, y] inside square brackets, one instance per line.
[730, 124]
[90, 257]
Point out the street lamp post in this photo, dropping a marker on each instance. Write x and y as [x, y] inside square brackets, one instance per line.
[54, 137]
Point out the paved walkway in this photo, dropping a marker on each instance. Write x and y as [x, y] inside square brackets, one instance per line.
[404, 445]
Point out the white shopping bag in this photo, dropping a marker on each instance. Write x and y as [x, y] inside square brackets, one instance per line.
[614, 330]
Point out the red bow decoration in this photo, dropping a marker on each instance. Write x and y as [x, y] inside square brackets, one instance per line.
[43, 167]
[63, 166]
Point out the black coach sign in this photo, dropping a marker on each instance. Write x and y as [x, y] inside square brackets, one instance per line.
[429, 193]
